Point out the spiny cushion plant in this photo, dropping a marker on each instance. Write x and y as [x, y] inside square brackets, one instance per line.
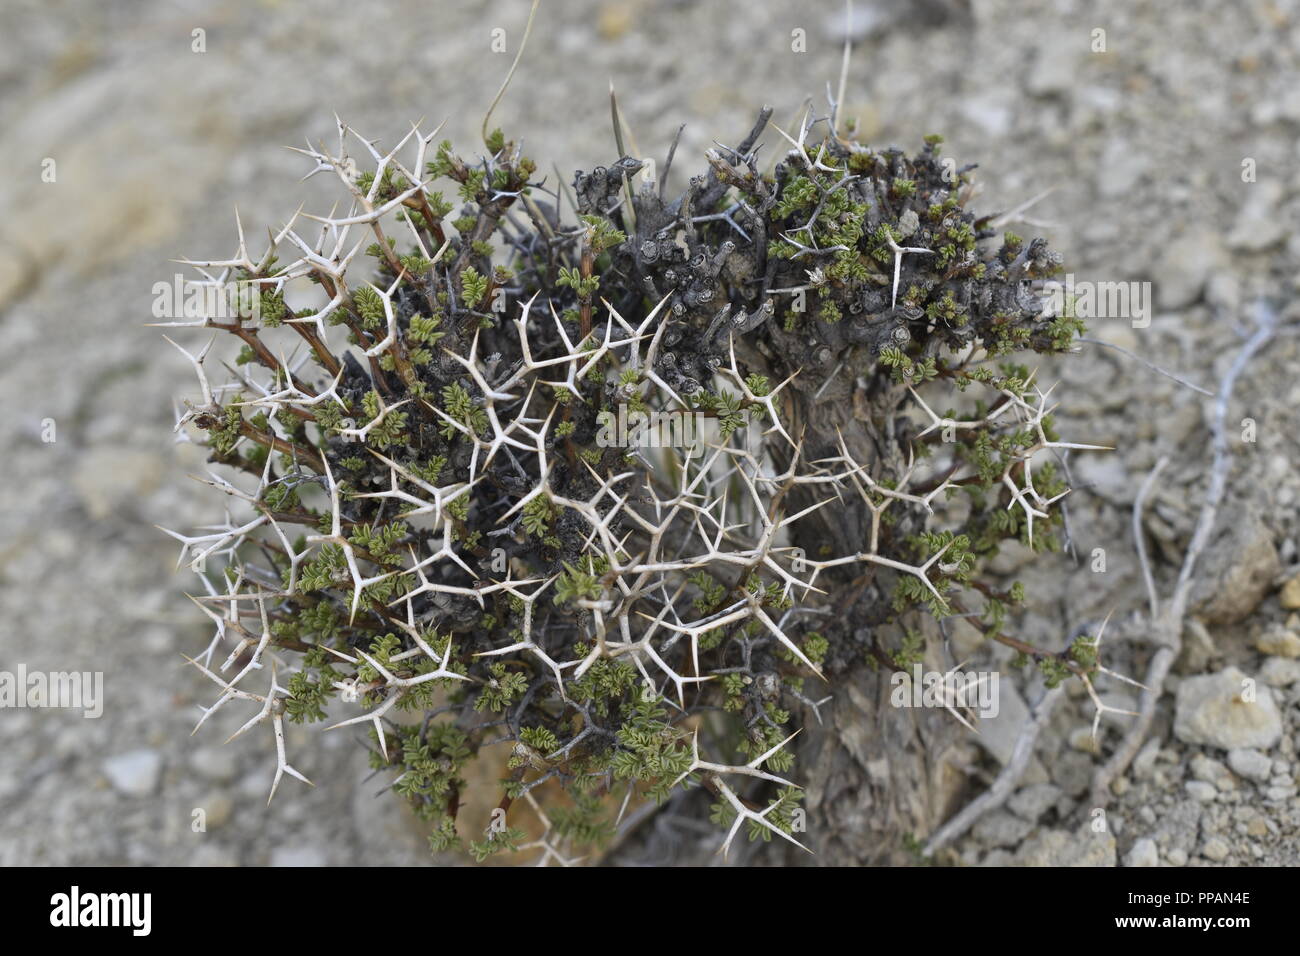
[449, 538]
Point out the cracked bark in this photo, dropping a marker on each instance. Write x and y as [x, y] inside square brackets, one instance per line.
[875, 775]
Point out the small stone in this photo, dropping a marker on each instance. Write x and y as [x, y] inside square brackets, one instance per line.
[998, 735]
[1081, 738]
[1278, 642]
[256, 782]
[1072, 771]
[1215, 849]
[1223, 291]
[70, 742]
[993, 117]
[1011, 557]
[217, 809]
[613, 19]
[1211, 710]
[1259, 224]
[1144, 763]
[1289, 105]
[1122, 165]
[1143, 853]
[908, 223]
[1081, 847]
[218, 764]
[1207, 769]
[1107, 473]
[1201, 791]
[1185, 265]
[1238, 571]
[1264, 113]
[109, 479]
[1251, 764]
[1001, 828]
[1176, 857]
[1054, 71]
[134, 773]
[1279, 672]
[860, 23]
[1030, 803]
[210, 854]
[1290, 594]
[1035, 773]
[17, 271]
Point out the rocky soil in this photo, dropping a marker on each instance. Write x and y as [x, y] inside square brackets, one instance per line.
[1144, 144]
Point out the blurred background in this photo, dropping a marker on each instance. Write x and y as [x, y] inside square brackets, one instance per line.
[1143, 138]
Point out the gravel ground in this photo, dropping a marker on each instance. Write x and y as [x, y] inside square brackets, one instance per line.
[1147, 144]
